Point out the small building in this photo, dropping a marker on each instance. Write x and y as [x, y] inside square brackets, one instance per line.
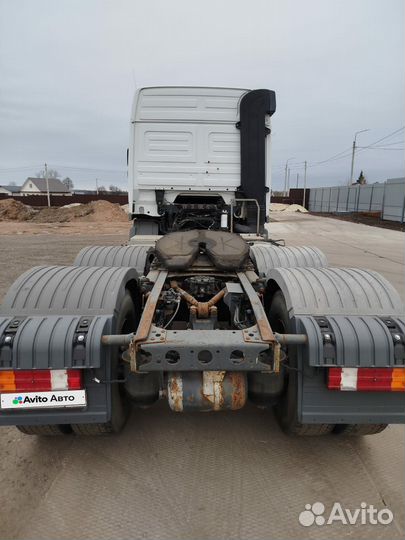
[37, 186]
[10, 190]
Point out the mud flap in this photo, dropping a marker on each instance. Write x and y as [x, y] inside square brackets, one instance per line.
[353, 319]
[53, 318]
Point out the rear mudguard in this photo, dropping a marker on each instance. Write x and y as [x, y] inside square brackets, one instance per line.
[363, 316]
[43, 313]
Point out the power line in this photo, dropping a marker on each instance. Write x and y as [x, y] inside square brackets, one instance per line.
[24, 168]
[383, 138]
[378, 148]
[346, 153]
[392, 144]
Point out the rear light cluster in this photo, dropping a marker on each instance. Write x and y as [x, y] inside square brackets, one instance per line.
[367, 379]
[40, 380]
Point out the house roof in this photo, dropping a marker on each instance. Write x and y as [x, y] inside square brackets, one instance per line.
[55, 185]
[12, 189]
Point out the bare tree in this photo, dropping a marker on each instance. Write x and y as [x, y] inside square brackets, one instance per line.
[361, 179]
[102, 189]
[52, 173]
[115, 189]
[12, 184]
[68, 183]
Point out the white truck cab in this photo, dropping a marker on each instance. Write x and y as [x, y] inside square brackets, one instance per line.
[185, 157]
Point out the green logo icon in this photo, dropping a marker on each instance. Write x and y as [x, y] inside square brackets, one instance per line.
[17, 400]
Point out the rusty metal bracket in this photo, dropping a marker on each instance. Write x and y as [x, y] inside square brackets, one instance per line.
[145, 323]
[203, 308]
[261, 318]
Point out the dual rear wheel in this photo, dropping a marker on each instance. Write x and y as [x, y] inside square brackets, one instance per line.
[120, 406]
[286, 409]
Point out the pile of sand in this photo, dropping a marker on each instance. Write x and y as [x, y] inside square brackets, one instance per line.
[72, 205]
[96, 211]
[93, 211]
[12, 210]
[287, 208]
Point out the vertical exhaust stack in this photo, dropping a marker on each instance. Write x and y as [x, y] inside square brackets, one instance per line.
[254, 107]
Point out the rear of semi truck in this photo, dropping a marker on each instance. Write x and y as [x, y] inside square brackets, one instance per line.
[202, 307]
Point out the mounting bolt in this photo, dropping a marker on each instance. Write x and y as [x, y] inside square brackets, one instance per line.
[80, 338]
[326, 337]
[397, 337]
[8, 339]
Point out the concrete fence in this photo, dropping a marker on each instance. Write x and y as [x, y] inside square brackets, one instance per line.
[388, 199]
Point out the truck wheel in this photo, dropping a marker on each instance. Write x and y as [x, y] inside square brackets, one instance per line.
[358, 430]
[47, 430]
[286, 409]
[120, 406]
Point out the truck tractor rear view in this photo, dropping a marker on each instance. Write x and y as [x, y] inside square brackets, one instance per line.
[202, 307]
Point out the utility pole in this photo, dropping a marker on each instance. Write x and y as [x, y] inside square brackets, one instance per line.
[351, 181]
[305, 183]
[97, 186]
[288, 181]
[47, 185]
[286, 175]
[285, 178]
[298, 175]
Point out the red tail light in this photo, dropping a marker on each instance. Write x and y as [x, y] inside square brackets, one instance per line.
[75, 379]
[40, 380]
[367, 379]
[28, 381]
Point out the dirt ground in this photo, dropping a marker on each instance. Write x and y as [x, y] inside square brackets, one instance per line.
[367, 218]
[192, 476]
[95, 211]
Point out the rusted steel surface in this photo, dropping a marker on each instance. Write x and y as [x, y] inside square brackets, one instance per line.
[258, 309]
[185, 295]
[117, 339]
[239, 389]
[276, 357]
[203, 308]
[207, 391]
[175, 392]
[213, 389]
[147, 317]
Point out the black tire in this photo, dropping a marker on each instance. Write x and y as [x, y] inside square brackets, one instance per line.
[120, 405]
[358, 430]
[286, 409]
[48, 430]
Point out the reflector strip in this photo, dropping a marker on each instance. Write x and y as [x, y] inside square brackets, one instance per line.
[367, 379]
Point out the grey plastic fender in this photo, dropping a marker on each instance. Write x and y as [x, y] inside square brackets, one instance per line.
[353, 318]
[128, 256]
[266, 257]
[48, 307]
[67, 290]
[359, 310]
[335, 291]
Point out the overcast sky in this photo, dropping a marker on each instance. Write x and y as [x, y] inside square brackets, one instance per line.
[69, 68]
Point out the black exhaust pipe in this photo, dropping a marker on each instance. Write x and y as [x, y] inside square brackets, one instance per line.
[254, 107]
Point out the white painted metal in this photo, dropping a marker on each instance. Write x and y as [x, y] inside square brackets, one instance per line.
[59, 379]
[39, 400]
[184, 139]
[348, 379]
